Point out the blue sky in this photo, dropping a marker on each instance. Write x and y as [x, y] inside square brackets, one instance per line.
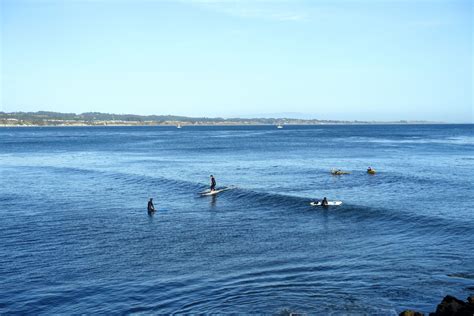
[351, 59]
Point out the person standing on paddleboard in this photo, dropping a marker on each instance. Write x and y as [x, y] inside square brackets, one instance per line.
[213, 183]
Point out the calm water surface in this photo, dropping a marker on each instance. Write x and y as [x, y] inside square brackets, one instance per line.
[75, 236]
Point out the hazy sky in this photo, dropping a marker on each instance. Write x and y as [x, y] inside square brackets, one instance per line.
[351, 59]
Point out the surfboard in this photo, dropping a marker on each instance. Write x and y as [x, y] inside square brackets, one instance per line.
[330, 203]
[338, 173]
[208, 192]
[158, 210]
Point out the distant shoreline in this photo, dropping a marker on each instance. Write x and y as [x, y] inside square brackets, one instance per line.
[228, 125]
[55, 119]
[183, 125]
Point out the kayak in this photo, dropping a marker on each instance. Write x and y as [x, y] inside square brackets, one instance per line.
[371, 171]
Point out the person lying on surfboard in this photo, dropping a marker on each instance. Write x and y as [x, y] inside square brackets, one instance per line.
[151, 207]
[213, 183]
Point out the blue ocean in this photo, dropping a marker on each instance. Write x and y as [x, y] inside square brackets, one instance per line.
[76, 238]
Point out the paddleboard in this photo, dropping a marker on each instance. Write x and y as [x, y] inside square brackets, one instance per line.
[330, 203]
[214, 192]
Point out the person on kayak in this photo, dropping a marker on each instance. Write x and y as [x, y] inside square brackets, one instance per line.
[213, 183]
[324, 202]
[151, 207]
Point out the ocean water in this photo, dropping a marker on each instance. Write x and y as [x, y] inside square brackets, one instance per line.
[75, 236]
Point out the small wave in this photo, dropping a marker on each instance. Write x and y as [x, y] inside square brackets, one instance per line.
[469, 276]
[397, 219]
[269, 198]
[460, 140]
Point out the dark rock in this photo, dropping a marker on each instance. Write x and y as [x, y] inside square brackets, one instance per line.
[410, 313]
[451, 306]
[470, 299]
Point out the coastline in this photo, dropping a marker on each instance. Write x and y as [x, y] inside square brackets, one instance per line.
[208, 124]
[219, 125]
[56, 119]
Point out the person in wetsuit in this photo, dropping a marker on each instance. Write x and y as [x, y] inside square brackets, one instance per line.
[324, 202]
[151, 207]
[213, 183]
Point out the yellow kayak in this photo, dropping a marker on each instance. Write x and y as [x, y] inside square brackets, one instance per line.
[371, 171]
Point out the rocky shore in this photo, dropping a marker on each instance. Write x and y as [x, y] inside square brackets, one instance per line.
[449, 306]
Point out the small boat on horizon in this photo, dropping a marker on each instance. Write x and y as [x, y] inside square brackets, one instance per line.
[178, 126]
[280, 126]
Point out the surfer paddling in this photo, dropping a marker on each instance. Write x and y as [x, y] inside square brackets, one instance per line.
[213, 183]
